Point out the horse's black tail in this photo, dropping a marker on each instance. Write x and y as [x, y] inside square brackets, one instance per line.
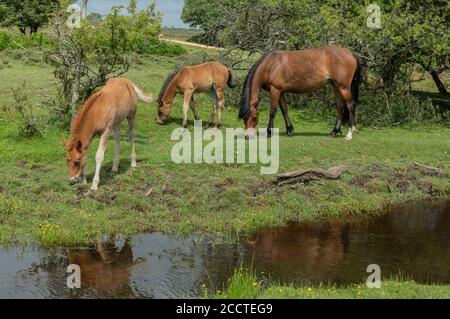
[356, 82]
[230, 81]
[357, 78]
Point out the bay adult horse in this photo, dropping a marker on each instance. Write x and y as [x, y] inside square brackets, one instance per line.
[210, 76]
[281, 72]
[102, 114]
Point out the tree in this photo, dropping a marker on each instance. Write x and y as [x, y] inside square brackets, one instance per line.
[84, 10]
[27, 14]
[94, 17]
[412, 32]
[86, 57]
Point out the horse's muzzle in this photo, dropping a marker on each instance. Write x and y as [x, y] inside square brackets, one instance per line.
[74, 180]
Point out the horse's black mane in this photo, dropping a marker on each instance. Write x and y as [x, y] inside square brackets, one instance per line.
[246, 92]
[166, 84]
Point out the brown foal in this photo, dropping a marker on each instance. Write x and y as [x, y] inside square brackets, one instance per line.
[211, 76]
[102, 114]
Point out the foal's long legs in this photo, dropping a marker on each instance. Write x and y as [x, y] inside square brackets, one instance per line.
[132, 132]
[274, 102]
[215, 106]
[116, 131]
[99, 157]
[187, 101]
[284, 111]
[194, 110]
[221, 105]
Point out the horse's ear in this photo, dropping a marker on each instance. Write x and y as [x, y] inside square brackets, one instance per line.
[79, 146]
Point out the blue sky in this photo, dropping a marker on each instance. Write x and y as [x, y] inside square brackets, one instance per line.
[170, 8]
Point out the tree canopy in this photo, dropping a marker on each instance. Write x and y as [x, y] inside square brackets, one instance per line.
[411, 32]
[26, 14]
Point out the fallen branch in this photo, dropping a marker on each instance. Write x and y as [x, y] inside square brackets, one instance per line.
[430, 169]
[307, 175]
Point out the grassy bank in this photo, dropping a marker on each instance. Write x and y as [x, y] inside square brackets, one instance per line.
[38, 205]
[245, 285]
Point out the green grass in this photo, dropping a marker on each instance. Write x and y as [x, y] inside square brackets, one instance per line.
[245, 285]
[38, 205]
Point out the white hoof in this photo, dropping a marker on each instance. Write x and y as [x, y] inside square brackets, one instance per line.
[348, 138]
[94, 187]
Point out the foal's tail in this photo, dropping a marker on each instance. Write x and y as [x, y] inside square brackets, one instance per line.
[230, 81]
[357, 78]
[142, 96]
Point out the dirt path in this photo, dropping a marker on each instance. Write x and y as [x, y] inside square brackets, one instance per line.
[193, 44]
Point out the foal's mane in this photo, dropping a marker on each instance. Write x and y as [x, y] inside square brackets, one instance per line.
[247, 90]
[166, 84]
[80, 117]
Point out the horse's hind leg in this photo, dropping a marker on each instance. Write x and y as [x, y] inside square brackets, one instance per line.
[274, 102]
[340, 105]
[284, 111]
[194, 110]
[215, 107]
[116, 131]
[132, 133]
[348, 99]
[221, 105]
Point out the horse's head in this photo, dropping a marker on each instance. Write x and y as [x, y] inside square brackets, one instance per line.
[163, 111]
[76, 159]
[251, 121]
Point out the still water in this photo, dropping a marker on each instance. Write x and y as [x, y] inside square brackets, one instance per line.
[412, 240]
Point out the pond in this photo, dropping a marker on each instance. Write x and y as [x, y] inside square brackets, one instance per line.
[411, 241]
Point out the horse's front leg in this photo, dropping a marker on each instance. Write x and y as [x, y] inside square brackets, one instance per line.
[274, 102]
[284, 111]
[194, 109]
[186, 103]
[99, 157]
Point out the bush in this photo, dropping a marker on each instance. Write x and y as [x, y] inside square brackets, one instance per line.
[4, 40]
[24, 113]
[162, 48]
[20, 41]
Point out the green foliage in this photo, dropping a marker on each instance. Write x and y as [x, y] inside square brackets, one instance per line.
[24, 113]
[5, 40]
[86, 57]
[27, 14]
[413, 38]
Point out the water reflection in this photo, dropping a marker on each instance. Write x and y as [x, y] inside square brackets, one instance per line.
[412, 240]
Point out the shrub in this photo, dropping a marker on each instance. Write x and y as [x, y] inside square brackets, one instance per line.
[162, 48]
[4, 40]
[24, 113]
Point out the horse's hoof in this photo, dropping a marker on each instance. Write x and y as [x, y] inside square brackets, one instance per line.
[289, 133]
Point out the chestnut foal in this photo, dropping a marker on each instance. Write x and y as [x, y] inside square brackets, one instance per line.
[102, 114]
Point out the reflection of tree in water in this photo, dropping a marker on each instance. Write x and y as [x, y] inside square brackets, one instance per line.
[306, 252]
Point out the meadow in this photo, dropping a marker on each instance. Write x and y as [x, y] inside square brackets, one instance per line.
[37, 205]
